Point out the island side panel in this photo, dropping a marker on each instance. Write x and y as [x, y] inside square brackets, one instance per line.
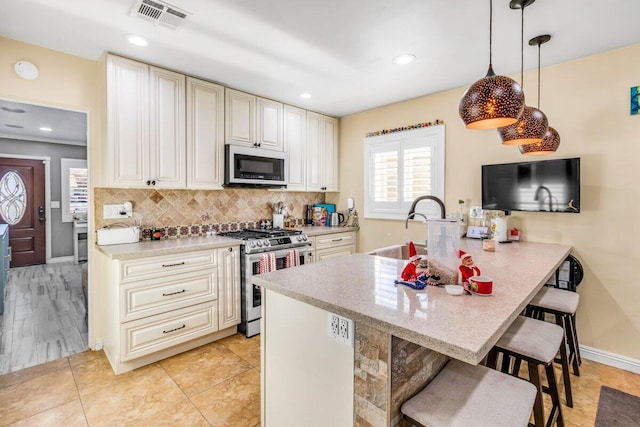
[307, 377]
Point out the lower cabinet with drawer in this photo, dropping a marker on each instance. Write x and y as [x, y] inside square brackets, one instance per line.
[156, 307]
[333, 245]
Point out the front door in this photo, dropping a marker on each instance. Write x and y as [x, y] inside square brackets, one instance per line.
[22, 204]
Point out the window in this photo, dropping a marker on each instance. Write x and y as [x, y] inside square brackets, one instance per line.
[75, 190]
[400, 167]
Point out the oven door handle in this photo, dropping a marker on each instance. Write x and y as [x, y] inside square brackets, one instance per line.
[303, 250]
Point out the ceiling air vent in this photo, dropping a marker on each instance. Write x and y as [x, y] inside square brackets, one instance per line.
[160, 13]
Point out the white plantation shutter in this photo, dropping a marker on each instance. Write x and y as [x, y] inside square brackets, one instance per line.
[399, 168]
[74, 189]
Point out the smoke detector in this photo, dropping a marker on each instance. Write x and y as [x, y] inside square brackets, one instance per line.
[160, 13]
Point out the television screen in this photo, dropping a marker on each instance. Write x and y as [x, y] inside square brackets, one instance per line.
[543, 186]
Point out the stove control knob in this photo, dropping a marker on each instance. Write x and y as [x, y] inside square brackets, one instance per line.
[257, 243]
[253, 244]
[304, 237]
[266, 243]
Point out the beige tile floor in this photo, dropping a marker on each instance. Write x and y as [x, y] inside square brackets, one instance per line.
[214, 385]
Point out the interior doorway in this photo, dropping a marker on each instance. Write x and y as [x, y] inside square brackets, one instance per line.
[22, 207]
[48, 315]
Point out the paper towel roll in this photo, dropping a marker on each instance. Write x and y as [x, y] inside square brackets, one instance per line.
[499, 229]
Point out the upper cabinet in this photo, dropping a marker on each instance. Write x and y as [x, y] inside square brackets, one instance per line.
[145, 125]
[253, 121]
[322, 153]
[164, 130]
[295, 145]
[167, 130]
[205, 135]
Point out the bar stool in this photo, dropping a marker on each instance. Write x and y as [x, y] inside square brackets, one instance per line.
[471, 395]
[537, 343]
[563, 305]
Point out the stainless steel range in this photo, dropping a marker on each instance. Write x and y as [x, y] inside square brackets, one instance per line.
[259, 247]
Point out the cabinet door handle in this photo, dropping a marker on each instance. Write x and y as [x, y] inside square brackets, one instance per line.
[173, 330]
[174, 293]
[230, 249]
[337, 240]
[173, 265]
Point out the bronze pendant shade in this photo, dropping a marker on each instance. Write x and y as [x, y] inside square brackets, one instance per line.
[551, 140]
[548, 145]
[532, 124]
[529, 129]
[492, 101]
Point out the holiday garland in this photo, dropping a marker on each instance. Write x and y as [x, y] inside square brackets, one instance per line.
[405, 128]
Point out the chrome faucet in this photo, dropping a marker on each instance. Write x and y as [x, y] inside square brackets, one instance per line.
[537, 196]
[413, 213]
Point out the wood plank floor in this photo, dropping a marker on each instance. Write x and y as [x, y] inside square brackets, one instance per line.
[45, 315]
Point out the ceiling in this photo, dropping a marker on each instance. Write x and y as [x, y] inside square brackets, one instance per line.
[339, 51]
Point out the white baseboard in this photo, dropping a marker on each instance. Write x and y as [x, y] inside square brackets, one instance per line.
[60, 259]
[611, 359]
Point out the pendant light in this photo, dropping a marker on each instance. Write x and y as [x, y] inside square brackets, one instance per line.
[492, 101]
[532, 124]
[551, 140]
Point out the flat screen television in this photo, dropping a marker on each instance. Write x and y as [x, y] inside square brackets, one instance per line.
[541, 186]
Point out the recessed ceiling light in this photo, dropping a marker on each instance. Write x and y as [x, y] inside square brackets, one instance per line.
[45, 129]
[14, 126]
[305, 95]
[137, 40]
[13, 110]
[404, 59]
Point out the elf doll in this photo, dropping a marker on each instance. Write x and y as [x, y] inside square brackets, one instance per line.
[466, 268]
[410, 274]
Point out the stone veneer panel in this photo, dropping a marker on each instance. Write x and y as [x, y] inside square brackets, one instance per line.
[412, 367]
[387, 372]
[199, 210]
[371, 376]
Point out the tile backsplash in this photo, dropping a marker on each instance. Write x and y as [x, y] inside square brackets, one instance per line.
[194, 212]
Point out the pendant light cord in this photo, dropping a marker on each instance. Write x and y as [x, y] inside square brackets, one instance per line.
[522, 48]
[490, 31]
[539, 44]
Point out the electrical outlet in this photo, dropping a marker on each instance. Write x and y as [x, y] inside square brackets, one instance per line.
[340, 329]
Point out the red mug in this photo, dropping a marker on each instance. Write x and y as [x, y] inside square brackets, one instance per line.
[481, 285]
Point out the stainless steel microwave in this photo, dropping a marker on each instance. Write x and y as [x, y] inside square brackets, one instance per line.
[254, 167]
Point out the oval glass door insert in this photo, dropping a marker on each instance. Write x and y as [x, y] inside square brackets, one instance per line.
[13, 197]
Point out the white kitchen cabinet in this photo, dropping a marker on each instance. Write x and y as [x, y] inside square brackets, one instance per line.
[159, 306]
[325, 246]
[127, 148]
[322, 154]
[253, 121]
[229, 286]
[205, 134]
[295, 145]
[167, 129]
[145, 125]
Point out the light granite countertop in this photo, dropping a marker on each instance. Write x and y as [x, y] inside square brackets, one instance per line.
[465, 327]
[150, 248]
[320, 230]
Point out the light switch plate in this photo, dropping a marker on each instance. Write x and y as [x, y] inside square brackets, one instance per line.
[55, 204]
[476, 212]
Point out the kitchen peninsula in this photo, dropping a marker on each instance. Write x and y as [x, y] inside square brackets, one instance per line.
[403, 337]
